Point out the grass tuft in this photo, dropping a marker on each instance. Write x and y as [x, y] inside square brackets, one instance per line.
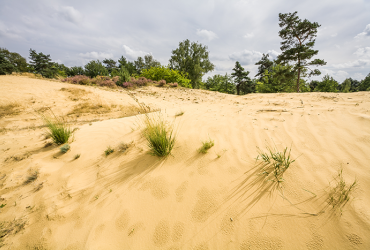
[59, 131]
[206, 146]
[32, 177]
[180, 113]
[275, 163]
[64, 149]
[108, 151]
[9, 109]
[159, 135]
[341, 193]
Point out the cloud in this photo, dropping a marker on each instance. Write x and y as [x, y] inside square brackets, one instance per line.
[365, 33]
[339, 75]
[206, 34]
[95, 55]
[360, 63]
[246, 57]
[70, 14]
[133, 54]
[363, 52]
[273, 53]
[249, 35]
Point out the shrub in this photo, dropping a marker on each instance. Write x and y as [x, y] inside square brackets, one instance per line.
[127, 85]
[162, 83]
[165, 73]
[206, 146]
[64, 149]
[175, 85]
[59, 131]
[159, 135]
[78, 79]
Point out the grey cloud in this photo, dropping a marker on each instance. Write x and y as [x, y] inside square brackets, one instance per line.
[246, 57]
[95, 55]
[70, 14]
[365, 33]
[363, 52]
[206, 34]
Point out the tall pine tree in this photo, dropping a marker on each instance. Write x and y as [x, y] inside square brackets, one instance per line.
[243, 82]
[298, 40]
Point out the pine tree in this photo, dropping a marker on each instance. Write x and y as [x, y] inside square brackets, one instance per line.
[298, 40]
[243, 82]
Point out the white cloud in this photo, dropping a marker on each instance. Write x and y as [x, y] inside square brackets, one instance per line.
[70, 14]
[358, 76]
[206, 34]
[273, 53]
[133, 54]
[363, 52]
[246, 57]
[365, 33]
[95, 55]
[360, 63]
[249, 35]
[339, 75]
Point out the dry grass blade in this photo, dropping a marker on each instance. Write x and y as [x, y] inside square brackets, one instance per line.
[9, 109]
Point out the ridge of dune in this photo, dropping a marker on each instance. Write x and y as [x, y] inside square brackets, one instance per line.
[219, 200]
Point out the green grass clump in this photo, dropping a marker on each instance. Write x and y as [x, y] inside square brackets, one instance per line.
[59, 131]
[206, 146]
[180, 113]
[341, 193]
[275, 163]
[64, 149]
[159, 135]
[108, 151]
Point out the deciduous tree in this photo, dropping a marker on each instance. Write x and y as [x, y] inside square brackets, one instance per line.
[192, 58]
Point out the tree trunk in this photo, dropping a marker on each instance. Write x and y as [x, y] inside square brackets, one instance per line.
[237, 88]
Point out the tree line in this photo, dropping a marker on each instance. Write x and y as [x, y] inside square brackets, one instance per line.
[190, 62]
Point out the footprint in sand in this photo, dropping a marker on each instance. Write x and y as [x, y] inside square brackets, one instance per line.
[180, 191]
[161, 233]
[123, 220]
[262, 242]
[158, 187]
[206, 205]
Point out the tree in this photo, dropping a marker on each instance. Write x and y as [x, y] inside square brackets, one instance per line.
[149, 62]
[42, 64]
[365, 84]
[193, 59]
[345, 86]
[278, 78]
[328, 84]
[5, 66]
[221, 83]
[139, 65]
[298, 40]
[130, 66]
[110, 64]
[165, 73]
[19, 62]
[95, 68]
[243, 82]
[264, 64]
[75, 70]
[312, 85]
[354, 85]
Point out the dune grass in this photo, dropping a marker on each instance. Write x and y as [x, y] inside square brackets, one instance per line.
[159, 135]
[9, 109]
[275, 163]
[58, 130]
[341, 193]
[206, 146]
[108, 151]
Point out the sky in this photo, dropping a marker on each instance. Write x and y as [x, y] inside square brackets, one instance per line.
[75, 32]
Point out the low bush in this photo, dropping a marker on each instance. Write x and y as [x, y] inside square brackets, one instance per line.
[78, 79]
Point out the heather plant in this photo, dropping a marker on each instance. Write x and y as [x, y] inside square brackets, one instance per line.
[78, 79]
[127, 85]
[162, 83]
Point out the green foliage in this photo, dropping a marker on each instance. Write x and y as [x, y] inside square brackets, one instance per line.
[244, 84]
[355, 85]
[274, 163]
[277, 78]
[59, 131]
[159, 135]
[108, 151]
[110, 65]
[328, 84]
[19, 63]
[124, 75]
[146, 63]
[365, 84]
[42, 64]
[298, 40]
[206, 145]
[64, 149]
[130, 66]
[95, 68]
[265, 67]
[341, 193]
[345, 86]
[5, 66]
[167, 74]
[193, 59]
[220, 83]
[76, 70]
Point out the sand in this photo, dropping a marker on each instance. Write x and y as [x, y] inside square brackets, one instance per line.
[218, 200]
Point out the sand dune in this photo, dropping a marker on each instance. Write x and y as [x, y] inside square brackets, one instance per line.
[218, 200]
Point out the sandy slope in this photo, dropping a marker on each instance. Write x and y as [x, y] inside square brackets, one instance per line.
[132, 200]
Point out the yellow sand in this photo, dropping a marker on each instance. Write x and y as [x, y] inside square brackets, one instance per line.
[218, 200]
